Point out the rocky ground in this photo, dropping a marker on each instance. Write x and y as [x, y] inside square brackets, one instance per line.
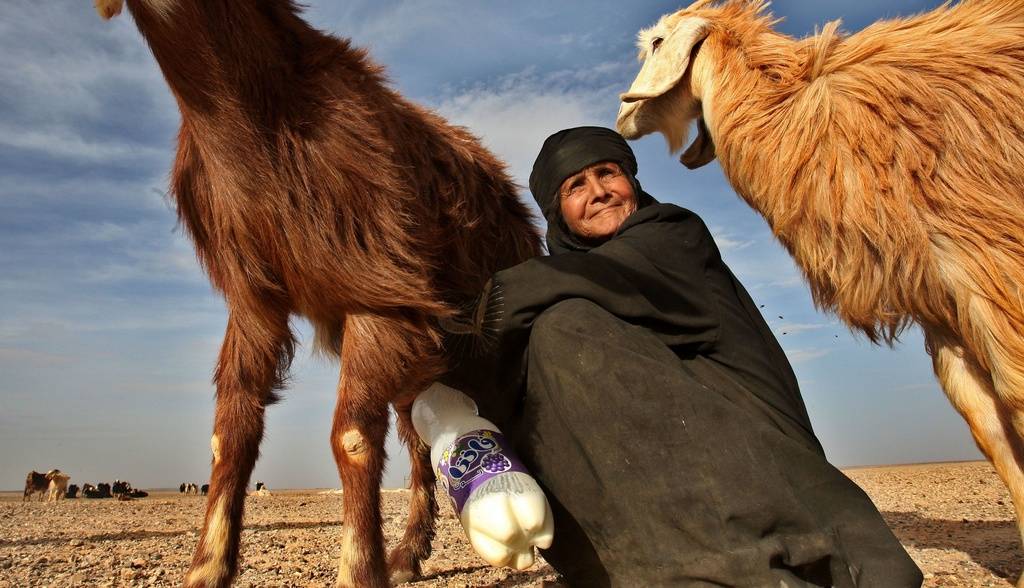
[955, 520]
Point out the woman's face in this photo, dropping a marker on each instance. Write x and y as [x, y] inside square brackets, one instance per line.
[596, 200]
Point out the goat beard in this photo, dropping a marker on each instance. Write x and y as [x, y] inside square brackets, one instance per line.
[702, 151]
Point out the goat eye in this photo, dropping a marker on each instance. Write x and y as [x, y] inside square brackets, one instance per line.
[656, 43]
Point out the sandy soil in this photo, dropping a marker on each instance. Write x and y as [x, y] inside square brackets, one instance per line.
[955, 520]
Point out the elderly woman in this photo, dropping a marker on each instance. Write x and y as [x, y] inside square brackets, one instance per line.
[651, 401]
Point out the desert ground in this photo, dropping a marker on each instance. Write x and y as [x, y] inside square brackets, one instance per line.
[955, 519]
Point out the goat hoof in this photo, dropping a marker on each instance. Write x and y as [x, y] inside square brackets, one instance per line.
[403, 566]
[401, 577]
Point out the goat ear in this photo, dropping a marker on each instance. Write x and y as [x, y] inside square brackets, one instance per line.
[664, 68]
[699, 4]
[702, 152]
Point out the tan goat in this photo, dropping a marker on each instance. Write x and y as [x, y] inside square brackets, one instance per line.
[58, 486]
[889, 163]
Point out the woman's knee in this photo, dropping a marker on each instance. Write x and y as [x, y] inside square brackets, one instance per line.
[569, 321]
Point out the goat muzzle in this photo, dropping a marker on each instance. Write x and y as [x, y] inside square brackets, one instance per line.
[108, 9]
[625, 123]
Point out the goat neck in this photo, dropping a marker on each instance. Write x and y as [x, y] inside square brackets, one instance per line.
[747, 80]
[222, 55]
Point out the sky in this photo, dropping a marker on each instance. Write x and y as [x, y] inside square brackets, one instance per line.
[109, 329]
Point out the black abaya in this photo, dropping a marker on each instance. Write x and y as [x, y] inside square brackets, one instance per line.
[649, 398]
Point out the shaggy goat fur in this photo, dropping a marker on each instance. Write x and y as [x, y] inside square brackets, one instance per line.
[890, 163]
[310, 188]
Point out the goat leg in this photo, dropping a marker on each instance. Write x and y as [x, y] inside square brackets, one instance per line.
[404, 560]
[357, 439]
[248, 371]
[380, 356]
[970, 389]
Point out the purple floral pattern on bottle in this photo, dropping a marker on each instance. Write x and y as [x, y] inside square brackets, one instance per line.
[471, 460]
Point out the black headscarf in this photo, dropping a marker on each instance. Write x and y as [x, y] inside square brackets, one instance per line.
[562, 155]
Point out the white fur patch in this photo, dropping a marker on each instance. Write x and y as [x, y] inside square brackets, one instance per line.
[644, 40]
[215, 568]
[355, 445]
[344, 563]
[215, 448]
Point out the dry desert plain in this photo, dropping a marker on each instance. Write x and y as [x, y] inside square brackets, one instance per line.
[955, 520]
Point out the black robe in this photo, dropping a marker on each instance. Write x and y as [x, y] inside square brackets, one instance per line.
[662, 271]
[648, 396]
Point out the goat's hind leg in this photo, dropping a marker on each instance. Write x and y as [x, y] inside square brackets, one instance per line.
[247, 374]
[376, 356]
[970, 389]
[404, 560]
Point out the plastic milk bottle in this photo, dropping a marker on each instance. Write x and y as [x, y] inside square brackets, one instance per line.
[503, 510]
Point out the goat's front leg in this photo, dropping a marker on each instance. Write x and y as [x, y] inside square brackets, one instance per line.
[252, 361]
[380, 357]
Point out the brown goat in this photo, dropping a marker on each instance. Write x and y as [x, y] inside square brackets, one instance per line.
[309, 187]
[35, 483]
[889, 163]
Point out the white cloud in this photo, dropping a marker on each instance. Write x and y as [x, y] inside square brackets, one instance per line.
[33, 324]
[66, 143]
[788, 277]
[514, 114]
[806, 355]
[175, 264]
[103, 232]
[392, 26]
[797, 328]
[69, 82]
[64, 85]
[22, 357]
[727, 242]
[728, 245]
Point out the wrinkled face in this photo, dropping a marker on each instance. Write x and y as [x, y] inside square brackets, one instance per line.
[596, 200]
[667, 94]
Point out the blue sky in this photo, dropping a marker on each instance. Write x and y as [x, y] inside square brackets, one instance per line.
[109, 330]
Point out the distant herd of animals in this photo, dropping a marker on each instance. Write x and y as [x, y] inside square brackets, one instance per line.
[190, 489]
[53, 485]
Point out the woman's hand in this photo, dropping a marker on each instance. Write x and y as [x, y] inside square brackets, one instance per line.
[472, 316]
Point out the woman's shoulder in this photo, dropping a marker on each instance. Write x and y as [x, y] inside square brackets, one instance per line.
[665, 216]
